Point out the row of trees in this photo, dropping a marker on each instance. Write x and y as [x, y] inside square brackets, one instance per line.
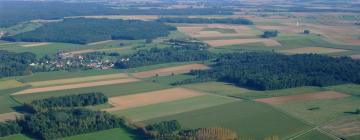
[270, 71]
[79, 100]
[83, 31]
[15, 64]
[206, 20]
[178, 52]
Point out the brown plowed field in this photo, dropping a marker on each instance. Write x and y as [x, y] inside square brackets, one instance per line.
[143, 99]
[9, 116]
[302, 97]
[170, 70]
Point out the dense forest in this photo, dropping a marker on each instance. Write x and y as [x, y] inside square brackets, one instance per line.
[206, 20]
[82, 31]
[80, 100]
[180, 51]
[270, 71]
[13, 12]
[15, 64]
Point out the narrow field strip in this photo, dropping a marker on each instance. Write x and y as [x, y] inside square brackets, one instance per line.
[219, 43]
[149, 98]
[100, 42]
[9, 116]
[170, 70]
[302, 97]
[75, 86]
[79, 80]
[35, 44]
[80, 52]
[308, 50]
[174, 107]
[346, 126]
[7, 84]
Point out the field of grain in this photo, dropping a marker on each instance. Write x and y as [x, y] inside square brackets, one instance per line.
[100, 42]
[78, 80]
[148, 98]
[266, 42]
[240, 116]
[132, 17]
[170, 70]
[9, 116]
[35, 44]
[218, 88]
[173, 107]
[356, 57]
[80, 52]
[302, 97]
[309, 50]
[75, 86]
[7, 84]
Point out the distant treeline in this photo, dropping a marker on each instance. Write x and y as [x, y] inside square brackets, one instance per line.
[180, 51]
[206, 20]
[13, 12]
[270, 71]
[82, 31]
[85, 99]
[15, 64]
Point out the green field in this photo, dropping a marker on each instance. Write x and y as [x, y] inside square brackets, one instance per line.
[221, 30]
[248, 119]
[218, 88]
[173, 107]
[328, 109]
[16, 137]
[314, 135]
[7, 103]
[7, 84]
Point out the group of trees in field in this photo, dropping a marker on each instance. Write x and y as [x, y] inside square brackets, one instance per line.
[173, 130]
[13, 12]
[83, 30]
[269, 34]
[206, 20]
[177, 52]
[85, 99]
[270, 71]
[9, 128]
[15, 64]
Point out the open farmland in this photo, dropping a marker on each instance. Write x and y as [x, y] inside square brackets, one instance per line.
[266, 42]
[345, 127]
[9, 116]
[173, 107]
[238, 116]
[170, 70]
[78, 85]
[78, 80]
[7, 84]
[154, 97]
[308, 50]
[35, 44]
[302, 97]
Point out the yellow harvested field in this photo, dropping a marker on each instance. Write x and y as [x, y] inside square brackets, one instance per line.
[9, 116]
[170, 70]
[35, 44]
[155, 97]
[78, 80]
[100, 42]
[308, 50]
[78, 85]
[266, 42]
[302, 97]
[346, 127]
[10, 84]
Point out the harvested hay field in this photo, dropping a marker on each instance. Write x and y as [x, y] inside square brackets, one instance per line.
[9, 116]
[75, 86]
[78, 80]
[309, 50]
[266, 42]
[7, 84]
[346, 127]
[170, 70]
[149, 98]
[303, 97]
[34, 45]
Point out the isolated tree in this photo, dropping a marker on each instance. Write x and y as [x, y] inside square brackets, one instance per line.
[357, 111]
[269, 34]
[306, 31]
